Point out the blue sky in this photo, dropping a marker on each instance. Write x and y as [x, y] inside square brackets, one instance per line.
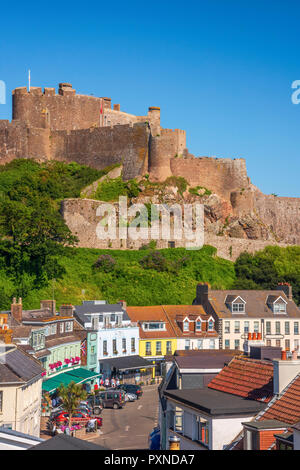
[220, 69]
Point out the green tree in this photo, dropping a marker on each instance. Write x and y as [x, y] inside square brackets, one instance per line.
[71, 396]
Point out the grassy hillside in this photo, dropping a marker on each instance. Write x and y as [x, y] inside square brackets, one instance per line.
[130, 282]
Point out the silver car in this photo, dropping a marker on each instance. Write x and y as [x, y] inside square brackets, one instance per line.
[130, 396]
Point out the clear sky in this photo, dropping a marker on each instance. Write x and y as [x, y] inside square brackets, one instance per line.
[220, 69]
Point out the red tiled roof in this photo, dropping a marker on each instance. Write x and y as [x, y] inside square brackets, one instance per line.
[248, 378]
[287, 407]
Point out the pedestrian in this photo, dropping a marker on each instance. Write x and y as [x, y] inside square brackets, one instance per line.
[118, 383]
[106, 382]
[113, 383]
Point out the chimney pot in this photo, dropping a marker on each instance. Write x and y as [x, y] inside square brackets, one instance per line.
[283, 355]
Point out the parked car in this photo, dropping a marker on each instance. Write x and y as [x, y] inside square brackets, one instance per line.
[95, 403]
[130, 396]
[132, 388]
[63, 417]
[112, 398]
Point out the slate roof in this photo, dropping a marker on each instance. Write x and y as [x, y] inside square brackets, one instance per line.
[248, 378]
[16, 366]
[82, 311]
[287, 407]
[65, 442]
[214, 402]
[256, 304]
[206, 359]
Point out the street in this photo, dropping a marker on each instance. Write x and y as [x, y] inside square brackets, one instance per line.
[129, 428]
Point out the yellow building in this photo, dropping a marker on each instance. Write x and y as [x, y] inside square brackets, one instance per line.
[157, 337]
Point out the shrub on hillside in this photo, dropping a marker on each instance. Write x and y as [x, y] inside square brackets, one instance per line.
[105, 263]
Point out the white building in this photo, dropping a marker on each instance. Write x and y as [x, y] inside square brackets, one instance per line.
[117, 336]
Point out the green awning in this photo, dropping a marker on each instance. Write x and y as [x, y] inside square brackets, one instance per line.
[78, 376]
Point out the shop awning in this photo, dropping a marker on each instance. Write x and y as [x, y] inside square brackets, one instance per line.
[78, 376]
[127, 363]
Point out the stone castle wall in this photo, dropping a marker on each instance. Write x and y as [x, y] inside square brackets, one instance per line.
[80, 216]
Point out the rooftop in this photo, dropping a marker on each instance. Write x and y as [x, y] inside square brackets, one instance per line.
[248, 378]
[16, 366]
[214, 402]
[205, 359]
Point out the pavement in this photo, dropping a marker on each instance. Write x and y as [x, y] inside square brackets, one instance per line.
[129, 427]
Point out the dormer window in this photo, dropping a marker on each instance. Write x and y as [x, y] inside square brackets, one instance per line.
[186, 325]
[238, 307]
[211, 325]
[198, 325]
[154, 326]
[279, 305]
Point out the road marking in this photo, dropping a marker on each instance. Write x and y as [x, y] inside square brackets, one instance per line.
[139, 407]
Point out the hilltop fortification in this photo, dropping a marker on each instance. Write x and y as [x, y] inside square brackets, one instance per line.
[89, 130]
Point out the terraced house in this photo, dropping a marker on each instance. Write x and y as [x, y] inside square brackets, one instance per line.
[50, 337]
[270, 317]
[166, 328]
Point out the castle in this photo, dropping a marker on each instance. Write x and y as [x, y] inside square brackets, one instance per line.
[89, 130]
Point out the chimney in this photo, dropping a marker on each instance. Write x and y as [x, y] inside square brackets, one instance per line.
[6, 336]
[124, 304]
[202, 294]
[116, 107]
[285, 370]
[16, 309]
[50, 304]
[286, 288]
[66, 310]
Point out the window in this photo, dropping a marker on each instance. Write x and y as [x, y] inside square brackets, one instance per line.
[187, 344]
[279, 307]
[287, 344]
[236, 344]
[277, 326]
[1, 401]
[212, 344]
[148, 348]
[268, 327]
[124, 344]
[202, 430]
[211, 325]
[69, 326]
[256, 326]
[132, 344]
[186, 325]
[236, 326]
[269, 342]
[278, 343]
[53, 329]
[238, 307]
[114, 345]
[61, 327]
[158, 347]
[198, 325]
[227, 344]
[178, 421]
[296, 344]
[154, 326]
[296, 328]
[246, 327]
[105, 347]
[227, 327]
[169, 347]
[287, 327]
